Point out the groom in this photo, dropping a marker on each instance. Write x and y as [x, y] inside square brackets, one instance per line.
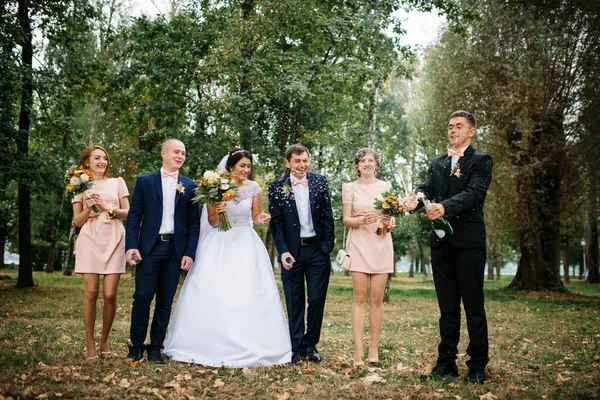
[302, 229]
[458, 182]
[162, 235]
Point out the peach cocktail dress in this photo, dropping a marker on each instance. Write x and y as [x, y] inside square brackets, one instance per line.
[370, 253]
[100, 246]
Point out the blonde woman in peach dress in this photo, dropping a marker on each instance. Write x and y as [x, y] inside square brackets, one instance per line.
[372, 255]
[100, 246]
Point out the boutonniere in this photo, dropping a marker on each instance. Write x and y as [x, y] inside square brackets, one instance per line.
[180, 188]
[456, 171]
[287, 190]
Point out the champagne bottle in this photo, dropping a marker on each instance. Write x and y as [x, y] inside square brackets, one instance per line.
[441, 226]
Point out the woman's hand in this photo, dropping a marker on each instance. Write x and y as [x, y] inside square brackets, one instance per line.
[220, 207]
[264, 218]
[89, 199]
[370, 218]
[386, 219]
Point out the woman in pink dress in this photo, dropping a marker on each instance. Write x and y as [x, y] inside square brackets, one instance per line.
[100, 246]
[372, 255]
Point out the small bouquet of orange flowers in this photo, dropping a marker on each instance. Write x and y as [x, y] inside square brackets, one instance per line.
[78, 180]
[391, 205]
[215, 187]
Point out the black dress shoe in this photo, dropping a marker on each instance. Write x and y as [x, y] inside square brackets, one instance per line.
[441, 372]
[135, 353]
[296, 358]
[476, 376]
[313, 355]
[154, 355]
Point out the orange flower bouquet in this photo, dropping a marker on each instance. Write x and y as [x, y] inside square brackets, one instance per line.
[216, 187]
[392, 205]
[78, 180]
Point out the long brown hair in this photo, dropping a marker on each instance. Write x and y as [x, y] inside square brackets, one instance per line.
[87, 152]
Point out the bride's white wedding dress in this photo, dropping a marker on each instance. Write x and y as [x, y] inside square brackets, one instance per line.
[229, 311]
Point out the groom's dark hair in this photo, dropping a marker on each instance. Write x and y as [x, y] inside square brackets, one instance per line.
[295, 149]
[236, 155]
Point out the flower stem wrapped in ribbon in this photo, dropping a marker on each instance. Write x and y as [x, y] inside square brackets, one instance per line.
[78, 180]
[390, 204]
[215, 187]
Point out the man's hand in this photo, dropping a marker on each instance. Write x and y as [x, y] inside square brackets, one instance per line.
[435, 210]
[410, 201]
[131, 253]
[285, 257]
[186, 263]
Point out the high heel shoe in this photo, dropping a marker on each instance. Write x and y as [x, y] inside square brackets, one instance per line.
[358, 364]
[373, 361]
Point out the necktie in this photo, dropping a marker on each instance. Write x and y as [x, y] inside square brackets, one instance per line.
[296, 181]
[173, 175]
[452, 152]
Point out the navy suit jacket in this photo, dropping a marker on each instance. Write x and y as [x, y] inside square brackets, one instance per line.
[462, 197]
[145, 216]
[285, 224]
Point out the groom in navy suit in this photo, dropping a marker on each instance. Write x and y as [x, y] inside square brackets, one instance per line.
[302, 229]
[162, 235]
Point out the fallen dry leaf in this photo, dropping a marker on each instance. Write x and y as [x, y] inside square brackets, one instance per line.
[299, 389]
[132, 363]
[373, 378]
[124, 383]
[283, 396]
[173, 385]
[487, 396]
[108, 377]
[561, 380]
[218, 383]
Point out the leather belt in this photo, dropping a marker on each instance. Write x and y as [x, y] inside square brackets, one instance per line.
[166, 237]
[304, 241]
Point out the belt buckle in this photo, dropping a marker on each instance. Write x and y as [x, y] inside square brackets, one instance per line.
[302, 241]
[162, 237]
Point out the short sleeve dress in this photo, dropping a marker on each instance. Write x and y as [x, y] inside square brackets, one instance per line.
[100, 246]
[370, 253]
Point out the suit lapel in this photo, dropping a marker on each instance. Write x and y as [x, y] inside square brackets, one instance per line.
[177, 194]
[287, 181]
[158, 184]
[312, 189]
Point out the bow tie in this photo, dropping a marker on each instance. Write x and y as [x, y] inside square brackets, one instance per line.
[458, 152]
[173, 175]
[296, 181]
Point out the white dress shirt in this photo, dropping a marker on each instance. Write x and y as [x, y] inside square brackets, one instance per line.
[303, 205]
[455, 157]
[169, 187]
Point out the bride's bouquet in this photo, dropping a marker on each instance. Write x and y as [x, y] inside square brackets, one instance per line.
[391, 205]
[78, 180]
[215, 187]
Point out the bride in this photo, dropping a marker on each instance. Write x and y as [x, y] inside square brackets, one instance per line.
[229, 312]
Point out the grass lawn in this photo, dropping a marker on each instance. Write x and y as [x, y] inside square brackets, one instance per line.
[543, 345]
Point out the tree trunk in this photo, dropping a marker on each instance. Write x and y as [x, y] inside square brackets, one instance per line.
[498, 269]
[490, 266]
[71, 252]
[54, 235]
[411, 269]
[247, 52]
[373, 115]
[539, 198]
[565, 266]
[3, 234]
[386, 292]
[592, 224]
[25, 278]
